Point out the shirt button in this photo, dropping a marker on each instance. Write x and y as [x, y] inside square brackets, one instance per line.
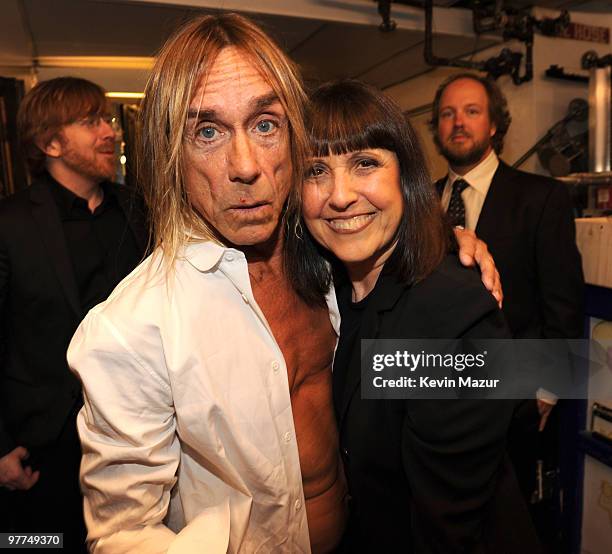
[229, 257]
[275, 367]
[287, 437]
[298, 505]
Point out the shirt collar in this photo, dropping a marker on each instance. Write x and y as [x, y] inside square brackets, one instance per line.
[204, 255]
[65, 198]
[479, 177]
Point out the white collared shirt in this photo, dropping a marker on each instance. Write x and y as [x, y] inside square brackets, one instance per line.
[479, 179]
[187, 425]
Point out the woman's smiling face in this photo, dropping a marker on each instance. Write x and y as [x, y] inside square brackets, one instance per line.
[353, 205]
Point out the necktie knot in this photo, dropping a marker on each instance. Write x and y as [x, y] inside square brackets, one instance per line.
[460, 185]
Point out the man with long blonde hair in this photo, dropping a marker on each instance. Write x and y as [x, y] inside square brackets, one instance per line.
[208, 423]
[207, 372]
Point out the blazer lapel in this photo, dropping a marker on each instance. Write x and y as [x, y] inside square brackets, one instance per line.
[384, 296]
[495, 202]
[44, 212]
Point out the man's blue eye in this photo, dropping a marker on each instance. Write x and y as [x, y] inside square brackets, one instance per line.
[208, 132]
[265, 126]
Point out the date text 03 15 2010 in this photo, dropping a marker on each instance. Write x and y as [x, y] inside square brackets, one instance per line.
[31, 540]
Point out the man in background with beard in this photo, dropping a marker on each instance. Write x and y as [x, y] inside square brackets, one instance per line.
[527, 222]
[65, 242]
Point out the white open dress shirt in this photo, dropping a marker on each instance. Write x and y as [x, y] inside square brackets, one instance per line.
[187, 429]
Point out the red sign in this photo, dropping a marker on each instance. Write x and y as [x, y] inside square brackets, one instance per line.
[588, 33]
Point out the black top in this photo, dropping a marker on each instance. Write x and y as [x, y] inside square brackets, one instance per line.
[101, 248]
[426, 476]
[351, 314]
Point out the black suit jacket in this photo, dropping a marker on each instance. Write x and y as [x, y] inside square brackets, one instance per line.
[39, 312]
[527, 223]
[429, 476]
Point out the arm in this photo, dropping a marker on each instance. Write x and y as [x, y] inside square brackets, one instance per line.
[559, 268]
[127, 431]
[13, 474]
[560, 279]
[6, 441]
[453, 451]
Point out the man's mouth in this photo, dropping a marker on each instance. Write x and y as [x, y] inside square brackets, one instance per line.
[250, 208]
[351, 224]
[248, 205]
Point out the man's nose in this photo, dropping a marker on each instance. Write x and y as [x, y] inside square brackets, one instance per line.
[106, 129]
[458, 120]
[243, 164]
[343, 194]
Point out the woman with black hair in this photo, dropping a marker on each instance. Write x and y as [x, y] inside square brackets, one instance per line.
[425, 476]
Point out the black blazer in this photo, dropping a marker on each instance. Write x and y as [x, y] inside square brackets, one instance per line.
[429, 476]
[39, 312]
[527, 223]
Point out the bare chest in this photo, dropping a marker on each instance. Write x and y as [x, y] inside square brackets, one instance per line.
[304, 333]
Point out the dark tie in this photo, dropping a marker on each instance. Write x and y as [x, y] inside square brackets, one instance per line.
[456, 208]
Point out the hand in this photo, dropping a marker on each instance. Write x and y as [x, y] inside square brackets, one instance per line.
[544, 409]
[13, 475]
[473, 251]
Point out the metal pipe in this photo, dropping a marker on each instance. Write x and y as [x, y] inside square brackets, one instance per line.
[429, 56]
[604, 178]
[599, 119]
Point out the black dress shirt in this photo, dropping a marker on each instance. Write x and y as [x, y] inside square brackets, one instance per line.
[101, 246]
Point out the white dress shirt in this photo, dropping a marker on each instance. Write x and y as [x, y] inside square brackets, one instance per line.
[187, 429]
[479, 180]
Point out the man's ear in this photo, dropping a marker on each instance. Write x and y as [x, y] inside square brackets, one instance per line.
[52, 148]
[492, 131]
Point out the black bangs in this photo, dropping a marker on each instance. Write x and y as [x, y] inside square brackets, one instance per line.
[342, 140]
[339, 123]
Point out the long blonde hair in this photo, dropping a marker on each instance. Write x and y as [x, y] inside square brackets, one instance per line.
[184, 60]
